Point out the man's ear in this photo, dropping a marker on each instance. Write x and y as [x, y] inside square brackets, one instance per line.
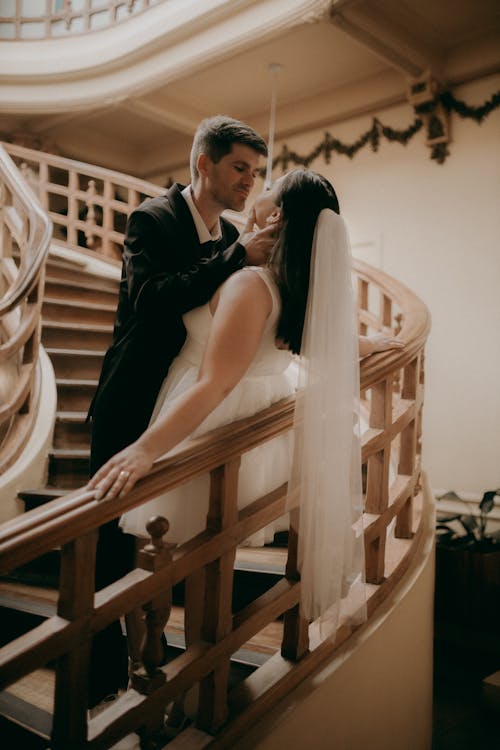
[203, 164]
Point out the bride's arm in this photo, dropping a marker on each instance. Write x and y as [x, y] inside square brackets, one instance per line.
[243, 307]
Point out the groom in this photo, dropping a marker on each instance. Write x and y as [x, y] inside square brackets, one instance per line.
[177, 251]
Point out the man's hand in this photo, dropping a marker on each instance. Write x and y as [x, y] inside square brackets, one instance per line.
[258, 243]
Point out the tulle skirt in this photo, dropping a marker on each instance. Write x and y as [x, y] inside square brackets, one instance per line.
[262, 469]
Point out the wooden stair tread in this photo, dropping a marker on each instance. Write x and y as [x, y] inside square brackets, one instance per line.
[52, 350]
[56, 260]
[261, 559]
[99, 283]
[267, 642]
[42, 601]
[94, 327]
[77, 382]
[70, 452]
[38, 600]
[71, 416]
[36, 691]
[77, 304]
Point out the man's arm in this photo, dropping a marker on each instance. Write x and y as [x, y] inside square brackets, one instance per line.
[155, 283]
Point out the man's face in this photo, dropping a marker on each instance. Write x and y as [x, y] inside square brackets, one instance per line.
[230, 180]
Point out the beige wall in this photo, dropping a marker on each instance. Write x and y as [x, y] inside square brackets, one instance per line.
[437, 228]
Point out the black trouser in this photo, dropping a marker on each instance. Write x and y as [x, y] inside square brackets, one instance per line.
[109, 658]
[115, 557]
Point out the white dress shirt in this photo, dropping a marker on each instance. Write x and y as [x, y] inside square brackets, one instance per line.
[204, 234]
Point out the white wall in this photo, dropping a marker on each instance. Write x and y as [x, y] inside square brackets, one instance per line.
[437, 228]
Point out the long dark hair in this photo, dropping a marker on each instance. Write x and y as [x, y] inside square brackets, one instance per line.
[302, 195]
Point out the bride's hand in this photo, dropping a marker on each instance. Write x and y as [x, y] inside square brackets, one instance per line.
[378, 342]
[121, 472]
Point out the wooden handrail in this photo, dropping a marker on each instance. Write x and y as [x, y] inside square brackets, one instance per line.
[26, 233]
[392, 390]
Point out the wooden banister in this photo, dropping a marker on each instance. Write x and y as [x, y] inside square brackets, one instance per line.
[25, 233]
[392, 388]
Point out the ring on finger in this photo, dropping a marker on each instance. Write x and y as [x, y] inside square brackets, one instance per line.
[124, 474]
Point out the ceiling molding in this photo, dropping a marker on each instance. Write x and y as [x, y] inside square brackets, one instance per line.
[170, 114]
[130, 60]
[366, 97]
[385, 35]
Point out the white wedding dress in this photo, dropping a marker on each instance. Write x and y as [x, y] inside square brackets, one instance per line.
[271, 376]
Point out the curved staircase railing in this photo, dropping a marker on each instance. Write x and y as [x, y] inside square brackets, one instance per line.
[25, 237]
[392, 385]
[88, 206]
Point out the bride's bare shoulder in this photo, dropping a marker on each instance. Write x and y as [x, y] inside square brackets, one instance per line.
[250, 288]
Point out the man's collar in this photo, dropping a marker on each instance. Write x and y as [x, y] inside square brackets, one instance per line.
[204, 233]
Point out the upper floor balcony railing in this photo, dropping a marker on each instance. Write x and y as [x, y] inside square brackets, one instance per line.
[47, 19]
[395, 519]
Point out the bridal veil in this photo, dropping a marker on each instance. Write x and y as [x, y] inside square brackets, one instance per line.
[326, 466]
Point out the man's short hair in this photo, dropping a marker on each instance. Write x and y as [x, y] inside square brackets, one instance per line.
[215, 137]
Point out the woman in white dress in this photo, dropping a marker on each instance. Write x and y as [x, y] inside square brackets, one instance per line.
[231, 366]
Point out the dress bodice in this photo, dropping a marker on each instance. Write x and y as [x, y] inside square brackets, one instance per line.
[268, 358]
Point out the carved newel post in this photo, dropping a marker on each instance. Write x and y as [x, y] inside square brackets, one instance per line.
[153, 557]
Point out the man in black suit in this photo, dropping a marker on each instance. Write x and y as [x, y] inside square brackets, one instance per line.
[177, 251]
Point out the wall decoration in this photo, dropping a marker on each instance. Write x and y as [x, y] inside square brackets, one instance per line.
[432, 107]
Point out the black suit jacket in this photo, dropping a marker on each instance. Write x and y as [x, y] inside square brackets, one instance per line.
[165, 273]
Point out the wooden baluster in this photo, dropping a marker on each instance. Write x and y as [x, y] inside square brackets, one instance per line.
[153, 557]
[363, 303]
[386, 311]
[217, 615]
[295, 627]
[133, 199]
[72, 207]
[377, 491]
[43, 181]
[26, 173]
[90, 218]
[107, 219]
[408, 447]
[377, 483]
[6, 238]
[76, 601]
[67, 14]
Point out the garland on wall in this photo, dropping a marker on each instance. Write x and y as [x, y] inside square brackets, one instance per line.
[432, 108]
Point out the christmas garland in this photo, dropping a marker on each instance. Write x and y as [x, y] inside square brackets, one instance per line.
[426, 114]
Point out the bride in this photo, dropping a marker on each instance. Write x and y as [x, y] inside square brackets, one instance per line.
[239, 357]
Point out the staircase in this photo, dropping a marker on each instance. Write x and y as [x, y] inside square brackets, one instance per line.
[77, 323]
